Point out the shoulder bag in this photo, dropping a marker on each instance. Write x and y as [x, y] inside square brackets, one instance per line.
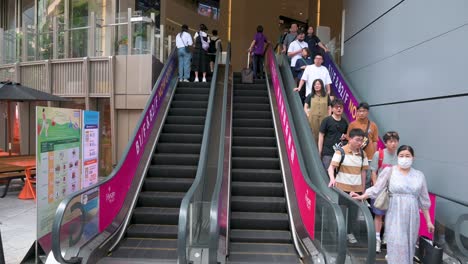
[383, 199]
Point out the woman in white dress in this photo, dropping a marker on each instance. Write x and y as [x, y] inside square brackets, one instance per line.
[408, 194]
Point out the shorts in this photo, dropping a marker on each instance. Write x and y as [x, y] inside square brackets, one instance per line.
[375, 210]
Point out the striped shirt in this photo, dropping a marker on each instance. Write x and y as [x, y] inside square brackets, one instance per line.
[349, 177]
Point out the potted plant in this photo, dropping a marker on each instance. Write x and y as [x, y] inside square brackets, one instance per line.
[123, 45]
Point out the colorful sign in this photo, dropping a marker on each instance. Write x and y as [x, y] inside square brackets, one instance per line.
[58, 160]
[112, 194]
[304, 194]
[90, 148]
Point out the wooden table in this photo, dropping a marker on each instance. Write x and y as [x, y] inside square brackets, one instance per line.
[14, 168]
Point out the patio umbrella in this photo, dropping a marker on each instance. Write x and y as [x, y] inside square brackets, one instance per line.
[10, 91]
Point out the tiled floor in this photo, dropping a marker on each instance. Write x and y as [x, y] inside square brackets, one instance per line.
[17, 223]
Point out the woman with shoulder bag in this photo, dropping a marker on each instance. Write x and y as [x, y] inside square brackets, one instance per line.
[183, 43]
[200, 62]
[408, 193]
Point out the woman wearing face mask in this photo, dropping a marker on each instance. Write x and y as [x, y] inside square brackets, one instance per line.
[408, 194]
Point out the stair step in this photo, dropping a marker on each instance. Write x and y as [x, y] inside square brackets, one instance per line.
[187, 111]
[262, 248]
[260, 236]
[175, 159]
[255, 163]
[185, 120]
[163, 184]
[261, 221]
[258, 204]
[160, 199]
[254, 141]
[192, 90]
[180, 138]
[251, 92]
[243, 151]
[183, 148]
[255, 175]
[250, 122]
[251, 114]
[194, 85]
[253, 132]
[257, 188]
[251, 99]
[155, 215]
[161, 250]
[183, 129]
[189, 104]
[252, 107]
[191, 97]
[172, 171]
[152, 231]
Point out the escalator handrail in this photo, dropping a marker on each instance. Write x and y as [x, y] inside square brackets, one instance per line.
[201, 169]
[214, 210]
[306, 146]
[303, 165]
[61, 209]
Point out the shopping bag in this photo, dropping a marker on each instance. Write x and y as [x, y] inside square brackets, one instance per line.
[247, 74]
[429, 252]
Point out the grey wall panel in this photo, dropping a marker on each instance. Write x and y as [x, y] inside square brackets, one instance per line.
[359, 15]
[427, 70]
[437, 130]
[409, 24]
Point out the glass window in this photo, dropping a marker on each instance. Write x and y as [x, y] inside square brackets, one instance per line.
[105, 142]
[74, 103]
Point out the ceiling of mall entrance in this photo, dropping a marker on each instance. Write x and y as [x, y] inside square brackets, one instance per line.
[296, 9]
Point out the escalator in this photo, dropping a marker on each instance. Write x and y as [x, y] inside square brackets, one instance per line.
[259, 222]
[152, 231]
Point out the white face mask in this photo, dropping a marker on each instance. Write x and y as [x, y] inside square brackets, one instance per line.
[405, 163]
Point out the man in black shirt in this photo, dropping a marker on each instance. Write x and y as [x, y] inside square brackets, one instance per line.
[332, 132]
[315, 45]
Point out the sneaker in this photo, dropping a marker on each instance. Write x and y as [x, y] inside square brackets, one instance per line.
[181, 80]
[351, 239]
[196, 80]
[204, 79]
[378, 243]
[185, 80]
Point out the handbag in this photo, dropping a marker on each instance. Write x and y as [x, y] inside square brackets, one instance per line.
[429, 252]
[365, 141]
[383, 199]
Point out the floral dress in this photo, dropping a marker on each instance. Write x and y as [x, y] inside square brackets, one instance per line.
[408, 194]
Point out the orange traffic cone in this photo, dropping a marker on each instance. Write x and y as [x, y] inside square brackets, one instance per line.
[27, 192]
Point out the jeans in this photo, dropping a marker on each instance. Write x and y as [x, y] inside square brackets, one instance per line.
[258, 66]
[184, 63]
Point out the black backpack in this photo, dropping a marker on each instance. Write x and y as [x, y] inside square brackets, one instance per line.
[212, 48]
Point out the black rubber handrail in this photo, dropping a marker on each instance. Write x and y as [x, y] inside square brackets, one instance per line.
[61, 209]
[220, 180]
[197, 186]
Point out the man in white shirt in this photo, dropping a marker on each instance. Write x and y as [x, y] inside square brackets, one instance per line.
[183, 43]
[295, 48]
[313, 72]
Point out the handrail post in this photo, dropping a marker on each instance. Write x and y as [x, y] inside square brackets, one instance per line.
[161, 44]
[129, 32]
[86, 81]
[1, 45]
[54, 38]
[153, 26]
[24, 43]
[92, 35]
[169, 45]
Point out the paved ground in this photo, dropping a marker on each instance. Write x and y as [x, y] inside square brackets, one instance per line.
[17, 224]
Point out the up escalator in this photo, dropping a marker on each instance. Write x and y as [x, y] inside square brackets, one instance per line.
[152, 231]
[259, 223]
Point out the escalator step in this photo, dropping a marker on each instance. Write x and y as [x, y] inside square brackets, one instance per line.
[262, 248]
[187, 111]
[251, 114]
[192, 90]
[253, 132]
[262, 221]
[194, 85]
[160, 249]
[254, 141]
[257, 83]
[183, 129]
[250, 122]
[252, 107]
[251, 99]
[185, 120]
[189, 104]
[164, 184]
[242, 151]
[160, 199]
[255, 163]
[175, 159]
[172, 171]
[182, 148]
[254, 175]
[257, 188]
[251, 92]
[191, 97]
[258, 204]
[260, 236]
[180, 138]
[155, 215]
[152, 231]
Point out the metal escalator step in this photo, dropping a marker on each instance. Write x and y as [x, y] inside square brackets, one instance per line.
[251, 114]
[185, 120]
[255, 175]
[192, 90]
[172, 171]
[152, 231]
[164, 184]
[262, 248]
[251, 99]
[249, 258]
[251, 92]
[253, 132]
[183, 128]
[243, 151]
[191, 97]
[187, 111]
[194, 85]
[254, 141]
[175, 159]
[258, 204]
[262, 221]
[250, 122]
[180, 138]
[257, 188]
[189, 104]
[183, 148]
[157, 249]
[252, 107]
[260, 236]
[155, 215]
[160, 199]
[257, 82]
[255, 163]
